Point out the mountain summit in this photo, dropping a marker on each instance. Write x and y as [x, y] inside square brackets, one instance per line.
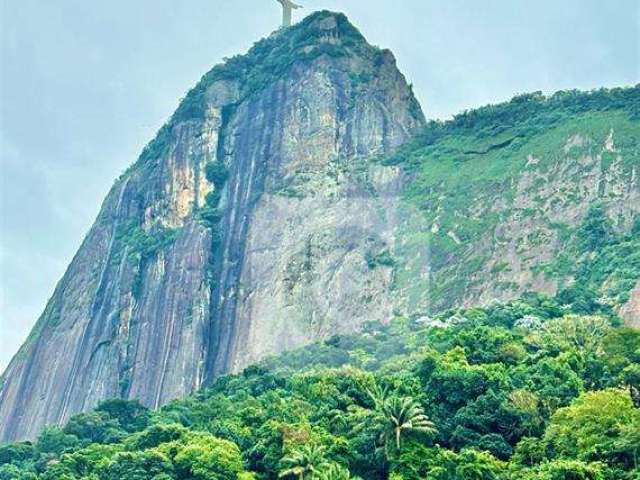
[240, 232]
[298, 193]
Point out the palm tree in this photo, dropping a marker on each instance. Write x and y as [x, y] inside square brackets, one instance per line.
[403, 414]
[334, 471]
[378, 395]
[304, 462]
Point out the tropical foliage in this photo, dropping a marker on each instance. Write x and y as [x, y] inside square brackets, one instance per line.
[524, 390]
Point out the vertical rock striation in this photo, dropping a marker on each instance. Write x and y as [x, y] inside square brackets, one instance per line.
[158, 300]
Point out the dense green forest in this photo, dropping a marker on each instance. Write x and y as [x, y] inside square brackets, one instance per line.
[538, 388]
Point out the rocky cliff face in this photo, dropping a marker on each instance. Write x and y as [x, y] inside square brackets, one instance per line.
[183, 277]
[296, 193]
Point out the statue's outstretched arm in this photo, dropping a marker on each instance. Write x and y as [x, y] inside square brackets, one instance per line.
[290, 4]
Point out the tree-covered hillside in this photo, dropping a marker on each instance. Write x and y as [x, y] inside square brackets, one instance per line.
[537, 388]
[504, 193]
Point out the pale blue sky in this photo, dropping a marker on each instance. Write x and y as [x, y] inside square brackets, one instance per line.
[85, 84]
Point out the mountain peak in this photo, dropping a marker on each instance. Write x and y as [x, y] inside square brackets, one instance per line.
[225, 242]
[321, 34]
[328, 21]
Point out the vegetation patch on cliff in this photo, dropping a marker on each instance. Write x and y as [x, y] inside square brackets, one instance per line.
[598, 259]
[141, 246]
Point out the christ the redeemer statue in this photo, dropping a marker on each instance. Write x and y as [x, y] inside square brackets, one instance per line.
[287, 7]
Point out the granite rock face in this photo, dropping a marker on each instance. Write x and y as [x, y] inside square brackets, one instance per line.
[299, 220]
[156, 301]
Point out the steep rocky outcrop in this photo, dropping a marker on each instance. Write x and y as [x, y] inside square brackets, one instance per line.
[158, 300]
[297, 193]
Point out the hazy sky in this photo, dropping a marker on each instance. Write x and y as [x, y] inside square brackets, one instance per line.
[85, 84]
